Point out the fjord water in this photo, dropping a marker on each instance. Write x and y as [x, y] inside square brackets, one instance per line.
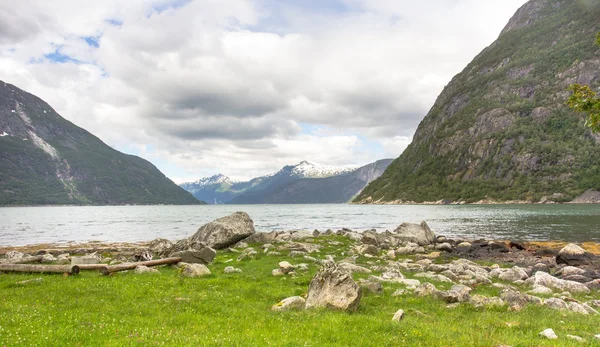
[33, 225]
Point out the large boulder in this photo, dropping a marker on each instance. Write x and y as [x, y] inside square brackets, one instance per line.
[573, 255]
[226, 231]
[420, 234]
[192, 252]
[333, 287]
[160, 247]
[547, 280]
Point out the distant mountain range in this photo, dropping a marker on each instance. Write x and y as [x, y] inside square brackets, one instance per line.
[47, 160]
[293, 184]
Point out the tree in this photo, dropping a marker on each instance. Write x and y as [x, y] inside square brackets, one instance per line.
[584, 99]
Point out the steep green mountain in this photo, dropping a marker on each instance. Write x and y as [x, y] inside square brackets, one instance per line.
[293, 184]
[45, 159]
[500, 129]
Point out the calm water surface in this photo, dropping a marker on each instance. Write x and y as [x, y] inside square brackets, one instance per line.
[31, 225]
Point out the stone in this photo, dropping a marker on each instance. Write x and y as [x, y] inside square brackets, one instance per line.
[573, 255]
[372, 287]
[241, 245]
[458, 293]
[420, 234]
[597, 337]
[84, 260]
[248, 253]
[570, 270]
[292, 303]
[333, 287]
[295, 254]
[47, 258]
[464, 247]
[435, 277]
[549, 334]
[160, 247]
[355, 268]
[261, 238]
[277, 272]
[577, 308]
[194, 270]
[13, 255]
[286, 267]
[193, 252]
[231, 270]
[367, 249]
[547, 280]
[513, 274]
[556, 304]
[226, 231]
[481, 301]
[576, 338]
[302, 267]
[399, 292]
[577, 278]
[593, 285]
[517, 300]
[398, 316]
[589, 309]
[144, 269]
[426, 289]
[537, 290]
[445, 247]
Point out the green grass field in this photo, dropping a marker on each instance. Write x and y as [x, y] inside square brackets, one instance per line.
[235, 310]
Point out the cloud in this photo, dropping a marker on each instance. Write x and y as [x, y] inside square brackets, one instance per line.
[206, 86]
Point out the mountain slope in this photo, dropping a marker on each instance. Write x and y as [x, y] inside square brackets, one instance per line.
[45, 159]
[302, 183]
[500, 129]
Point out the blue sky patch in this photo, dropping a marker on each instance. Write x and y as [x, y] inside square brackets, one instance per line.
[92, 41]
[114, 22]
[57, 57]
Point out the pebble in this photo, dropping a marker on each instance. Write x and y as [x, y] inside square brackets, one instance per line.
[398, 316]
[549, 334]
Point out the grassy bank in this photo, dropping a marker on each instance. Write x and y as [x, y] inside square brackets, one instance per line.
[235, 310]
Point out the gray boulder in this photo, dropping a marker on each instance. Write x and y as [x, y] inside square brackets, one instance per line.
[420, 234]
[192, 252]
[573, 255]
[194, 270]
[160, 247]
[144, 269]
[226, 231]
[333, 287]
[547, 280]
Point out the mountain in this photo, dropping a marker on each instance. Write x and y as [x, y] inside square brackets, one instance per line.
[500, 129]
[45, 159]
[302, 183]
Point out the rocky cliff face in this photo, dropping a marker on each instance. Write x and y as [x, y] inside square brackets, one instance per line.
[500, 129]
[45, 159]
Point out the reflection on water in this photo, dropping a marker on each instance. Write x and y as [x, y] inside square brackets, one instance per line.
[30, 225]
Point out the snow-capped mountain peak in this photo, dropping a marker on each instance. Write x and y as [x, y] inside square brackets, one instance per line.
[216, 179]
[307, 169]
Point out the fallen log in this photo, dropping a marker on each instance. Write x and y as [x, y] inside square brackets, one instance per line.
[66, 269]
[91, 266]
[25, 260]
[107, 270]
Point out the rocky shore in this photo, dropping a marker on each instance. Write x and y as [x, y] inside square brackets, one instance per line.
[563, 277]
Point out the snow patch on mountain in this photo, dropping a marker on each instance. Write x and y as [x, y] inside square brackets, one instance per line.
[312, 170]
[216, 179]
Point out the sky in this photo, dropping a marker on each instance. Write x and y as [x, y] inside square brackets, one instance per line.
[244, 87]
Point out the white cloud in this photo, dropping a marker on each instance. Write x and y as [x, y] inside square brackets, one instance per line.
[227, 85]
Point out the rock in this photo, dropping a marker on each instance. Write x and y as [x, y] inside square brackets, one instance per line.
[399, 292]
[160, 247]
[277, 272]
[481, 301]
[570, 270]
[47, 258]
[445, 247]
[435, 277]
[556, 304]
[372, 287]
[577, 308]
[573, 255]
[231, 270]
[464, 247]
[516, 300]
[426, 289]
[513, 274]
[589, 309]
[302, 267]
[144, 269]
[576, 338]
[192, 252]
[367, 249]
[333, 287]
[226, 231]
[292, 303]
[537, 290]
[593, 285]
[63, 261]
[286, 267]
[248, 253]
[419, 234]
[458, 293]
[261, 238]
[241, 245]
[549, 334]
[597, 337]
[194, 270]
[14, 255]
[295, 254]
[274, 254]
[546, 280]
[577, 278]
[86, 259]
[398, 316]
[355, 268]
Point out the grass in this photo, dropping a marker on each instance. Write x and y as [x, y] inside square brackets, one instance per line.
[235, 310]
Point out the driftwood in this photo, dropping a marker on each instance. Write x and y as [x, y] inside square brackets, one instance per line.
[25, 260]
[91, 266]
[107, 270]
[66, 269]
